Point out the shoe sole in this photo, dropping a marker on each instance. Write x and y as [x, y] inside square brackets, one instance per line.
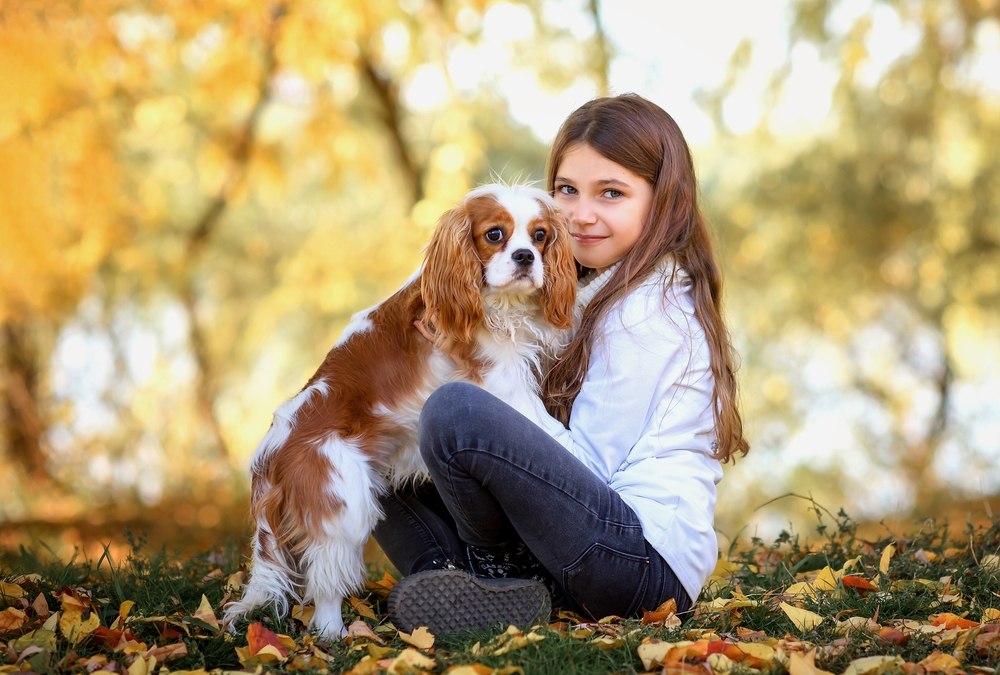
[449, 601]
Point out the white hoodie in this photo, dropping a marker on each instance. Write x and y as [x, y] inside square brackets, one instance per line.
[643, 421]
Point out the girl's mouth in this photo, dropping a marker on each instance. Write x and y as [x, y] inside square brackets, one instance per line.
[588, 238]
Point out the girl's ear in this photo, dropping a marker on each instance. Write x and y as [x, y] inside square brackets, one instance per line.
[559, 289]
[452, 278]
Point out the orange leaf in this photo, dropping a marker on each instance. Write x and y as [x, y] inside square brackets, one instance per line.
[12, 619]
[259, 637]
[949, 620]
[858, 582]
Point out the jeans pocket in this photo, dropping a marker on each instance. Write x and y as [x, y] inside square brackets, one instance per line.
[604, 581]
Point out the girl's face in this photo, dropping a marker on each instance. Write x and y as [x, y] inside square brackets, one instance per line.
[605, 204]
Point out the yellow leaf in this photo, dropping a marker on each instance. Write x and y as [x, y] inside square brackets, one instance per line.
[74, 627]
[142, 666]
[10, 591]
[236, 580]
[991, 615]
[803, 619]
[206, 613]
[366, 666]
[362, 608]
[852, 564]
[887, 553]
[804, 664]
[474, 669]
[726, 604]
[303, 614]
[757, 650]
[517, 642]
[802, 589]
[409, 659]
[720, 663]
[652, 654]
[125, 609]
[421, 638]
[51, 623]
[872, 663]
[990, 562]
[826, 580]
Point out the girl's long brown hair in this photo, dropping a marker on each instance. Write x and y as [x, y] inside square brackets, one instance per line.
[643, 138]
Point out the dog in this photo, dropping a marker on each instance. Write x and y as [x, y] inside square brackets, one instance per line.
[497, 290]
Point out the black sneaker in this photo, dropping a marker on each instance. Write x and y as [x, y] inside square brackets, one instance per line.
[448, 601]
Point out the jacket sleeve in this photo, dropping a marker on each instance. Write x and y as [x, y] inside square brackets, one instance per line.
[644, 348]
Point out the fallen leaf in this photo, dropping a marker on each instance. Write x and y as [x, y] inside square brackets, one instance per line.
[41, 607]
[360, 629]
[10, 591]
[43, 638]
[949, 620]
[871, 663]
[990, 562]
[470, 669]
[303, 614]
[362, 608]
[74, 627]
[408, 659]
[206, 613]
[421, 638]
[171, 651]
[887, 553]
[803, 619]
[804, 664]
[938, 662]
[142, 666]
[11, 619]
[859, 583]
[991, 615]
[366, 666]
[259, 637]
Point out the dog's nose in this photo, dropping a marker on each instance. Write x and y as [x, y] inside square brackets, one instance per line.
[523, 257]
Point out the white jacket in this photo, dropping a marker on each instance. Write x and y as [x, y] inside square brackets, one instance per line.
[643, 423]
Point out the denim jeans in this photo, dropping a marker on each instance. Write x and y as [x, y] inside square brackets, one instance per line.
[498, 479]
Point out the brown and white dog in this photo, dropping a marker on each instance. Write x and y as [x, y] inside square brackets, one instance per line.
[497, 286]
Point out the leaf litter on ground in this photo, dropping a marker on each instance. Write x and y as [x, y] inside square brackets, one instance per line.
[918, 604]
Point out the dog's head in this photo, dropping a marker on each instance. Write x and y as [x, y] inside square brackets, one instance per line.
[508, 238]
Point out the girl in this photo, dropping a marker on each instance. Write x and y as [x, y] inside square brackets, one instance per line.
[609, 508]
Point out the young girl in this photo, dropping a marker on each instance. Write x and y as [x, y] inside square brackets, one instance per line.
[609, 508]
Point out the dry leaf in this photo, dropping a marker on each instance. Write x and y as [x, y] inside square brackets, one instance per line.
[873, 663]
[362, 608]
[10, 591]
[803, 619]
[421, 638]
[11, 619]
[991, 615]
[259, 637]
[408, 659]
[887, 553]
[804, 664]
[41, 606]
[360, 629]
[303, 614]
[206, 613]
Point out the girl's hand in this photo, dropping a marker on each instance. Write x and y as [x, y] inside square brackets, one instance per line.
[432, 338]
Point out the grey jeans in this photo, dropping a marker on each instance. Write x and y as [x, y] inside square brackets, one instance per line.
[497, 479]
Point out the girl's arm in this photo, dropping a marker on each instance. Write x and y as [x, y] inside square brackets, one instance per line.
[648, 386]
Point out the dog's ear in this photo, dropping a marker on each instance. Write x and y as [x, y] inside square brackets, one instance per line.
[559, 289]
[452, 278]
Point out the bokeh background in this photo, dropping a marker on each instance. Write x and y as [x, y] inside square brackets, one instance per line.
[196, 196]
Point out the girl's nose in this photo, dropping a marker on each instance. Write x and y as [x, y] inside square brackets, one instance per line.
[583, 212]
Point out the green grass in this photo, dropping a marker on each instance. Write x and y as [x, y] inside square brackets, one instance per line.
[934, 570]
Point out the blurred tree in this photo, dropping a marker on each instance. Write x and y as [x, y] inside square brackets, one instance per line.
[195, 197]
[865, 260]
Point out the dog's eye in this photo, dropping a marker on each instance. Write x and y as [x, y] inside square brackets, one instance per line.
[494, 235]
[540, 236]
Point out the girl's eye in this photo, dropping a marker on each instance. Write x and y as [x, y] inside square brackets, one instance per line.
[566, 189]
[540, 236]
[495, 235]
[613, 194]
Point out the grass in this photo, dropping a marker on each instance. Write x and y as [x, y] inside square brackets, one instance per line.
[931, 597]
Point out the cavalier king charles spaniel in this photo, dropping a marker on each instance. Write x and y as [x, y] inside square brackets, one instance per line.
[497, 290]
